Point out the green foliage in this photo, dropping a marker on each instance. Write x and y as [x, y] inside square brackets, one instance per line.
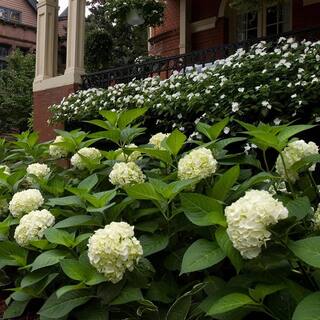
[16, 92]
[190, 268]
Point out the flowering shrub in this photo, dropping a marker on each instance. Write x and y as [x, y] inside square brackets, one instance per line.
[181, 229]
[266, 83]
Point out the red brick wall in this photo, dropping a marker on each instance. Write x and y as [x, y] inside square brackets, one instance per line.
[203, 9]
[28, 14]
[305, 16]
[42, 100]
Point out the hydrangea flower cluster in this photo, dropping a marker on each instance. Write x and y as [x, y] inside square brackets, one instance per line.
[156, 140]
[38, 169]
[5, 169]
[56, 151]
[198, 164]
[132, 157]
[316, 219]
[123, 174]
[294, 152]
[25, 201]
[113, 250]
[92, 154]
[248, 219]
[32, 226]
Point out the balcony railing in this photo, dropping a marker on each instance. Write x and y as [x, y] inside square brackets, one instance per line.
[164, 67]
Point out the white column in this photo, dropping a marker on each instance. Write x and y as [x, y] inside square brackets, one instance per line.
[184, 26]
[47, 40]
[75, 39]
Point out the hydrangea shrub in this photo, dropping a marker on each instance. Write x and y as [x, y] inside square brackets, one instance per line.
[174, 229]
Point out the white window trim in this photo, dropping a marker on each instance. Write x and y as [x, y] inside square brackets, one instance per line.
[309, 2]
[203, 25]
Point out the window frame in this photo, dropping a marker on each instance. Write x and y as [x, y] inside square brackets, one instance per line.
[10, 12]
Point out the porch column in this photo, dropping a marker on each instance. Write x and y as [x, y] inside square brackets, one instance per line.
[47, 40]
[184, 26]
[75, 39]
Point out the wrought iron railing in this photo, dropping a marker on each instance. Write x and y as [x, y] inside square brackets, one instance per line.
[164, 67]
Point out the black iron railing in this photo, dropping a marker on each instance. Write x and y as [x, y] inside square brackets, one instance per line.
[164, 67]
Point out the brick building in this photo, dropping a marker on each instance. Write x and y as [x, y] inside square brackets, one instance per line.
[198, 24]
[18, 26]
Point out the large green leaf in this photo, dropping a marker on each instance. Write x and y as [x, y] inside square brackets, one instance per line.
[55, 308]
[15, 309]
[153, 243]
[12, 255]
[180, 309]
[291, 131]
[308, 308]
[65, 201]
[89, 182]
[142, 191]
[48, 258]
[59, 237]
[308, 250]
[202, 254]
[175, 141]
[230, 302]
[299, 207]
[127, 117]
[202, 210]
[128, 294]
[212, 132]
[223, 186]
[34, 277]
[262, 290]
[75, 221]
[227, 247]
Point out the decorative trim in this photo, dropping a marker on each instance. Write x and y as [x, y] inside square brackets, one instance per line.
[163, 36]
[202, 25]
[308, 2]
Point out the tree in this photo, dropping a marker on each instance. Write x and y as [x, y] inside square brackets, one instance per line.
[111, 45]
[16, 91]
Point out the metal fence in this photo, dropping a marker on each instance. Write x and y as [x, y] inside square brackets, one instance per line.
[164, 67]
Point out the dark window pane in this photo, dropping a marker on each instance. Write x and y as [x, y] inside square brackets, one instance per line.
[252, 20]
[272, 30]
[272, 15]
[252, 34]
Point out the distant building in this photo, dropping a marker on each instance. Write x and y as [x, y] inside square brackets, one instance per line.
[192, 25]
[18, 27]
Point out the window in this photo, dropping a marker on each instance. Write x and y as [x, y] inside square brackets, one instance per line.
[4, 52]
[10, 14]
[269, 21]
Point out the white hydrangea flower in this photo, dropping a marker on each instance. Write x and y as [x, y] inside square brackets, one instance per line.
[248, 219]
[25, 201]
[316, 219]
[5, 169]
[113, 250]
[89, 153]
[38, 169]
[294, 152]
[4, 206]
[199, 163]
[157, 139]
[32, 226]
[57, 151]
[123, 174]
[134, 156]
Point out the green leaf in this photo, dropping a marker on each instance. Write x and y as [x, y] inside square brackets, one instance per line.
[127, 117]
[48, 258]
[162, 155]
[142, 191]
[262, 290]
[66, 201]
[153, 243]
[81, 271]
[15, 309]
[111, 116]
[59, 237]
[223, 186]
[202, 210]
[266, 139]
[227, 247]
[212, 132]
[175, 142]
[88, 183]
[291, 131]
[180, 309]
[230, 302]
[308, 308]
[75, 221]
[55, 308]
[308, 250]
[33, 278]
[202, 254]
[128, 294]
[299, 207]
[12, 255]
[93, 311]
[63, 290]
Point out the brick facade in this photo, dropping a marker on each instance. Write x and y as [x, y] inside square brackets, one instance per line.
[165, 39]
[42, 100]
[22, 33]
